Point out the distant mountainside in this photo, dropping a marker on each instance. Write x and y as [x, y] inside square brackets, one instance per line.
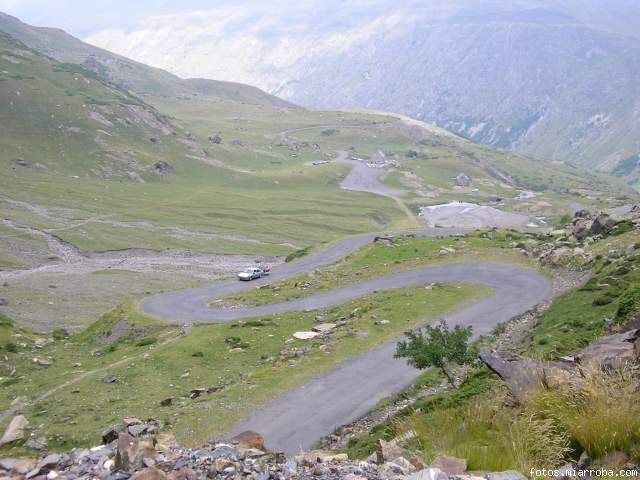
[556, 80]
[125, 73]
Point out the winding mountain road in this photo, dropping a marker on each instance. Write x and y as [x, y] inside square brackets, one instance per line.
[297, 419]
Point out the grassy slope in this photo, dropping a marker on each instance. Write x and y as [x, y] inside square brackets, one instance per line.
[204, 354]
[74, 170]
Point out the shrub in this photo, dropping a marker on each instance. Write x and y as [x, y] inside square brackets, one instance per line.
[629, 303]
[500, 328]
[6, 321]
[235, 342]
[197, 354]
[602, 300]
[436, 347]
[297, 254]
[11, 347]
[146, 341]
[328, 132]
[621, 228]
[59, 334]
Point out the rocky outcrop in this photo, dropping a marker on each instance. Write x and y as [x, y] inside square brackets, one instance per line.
[525, 375]
[587, 225]
[612, 351]
[463, 180]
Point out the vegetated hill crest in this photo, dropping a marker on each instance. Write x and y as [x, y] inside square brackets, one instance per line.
[126, 73]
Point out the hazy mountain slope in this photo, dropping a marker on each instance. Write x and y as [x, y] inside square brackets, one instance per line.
[495, 84]
[139, 78]
[538, 85]
[558, 80]
[59, 118]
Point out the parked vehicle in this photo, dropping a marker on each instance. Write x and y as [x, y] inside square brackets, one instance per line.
[252, 273]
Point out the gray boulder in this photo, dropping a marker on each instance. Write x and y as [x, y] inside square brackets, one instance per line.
[16, 430]
[611, 352]
[463, 180]
[525, 375]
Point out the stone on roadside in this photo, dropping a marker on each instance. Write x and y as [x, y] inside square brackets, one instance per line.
[109, 435]
[450, 465]
[16, 430]
[428, 474]
[110, 378]
[305, 335]
[248, 440]
[149, 473]
[22, 466]
[45, 465]
[322, 456]
[506, 475]
[324, 327]
[43, 362]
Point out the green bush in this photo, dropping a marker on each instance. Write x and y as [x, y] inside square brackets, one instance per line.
[235, 342]
[59, 334]
[602, 300]
[621, 228]
[297, 254]
[629, 303]
[6, 321]
[146, 341]
[11, 347]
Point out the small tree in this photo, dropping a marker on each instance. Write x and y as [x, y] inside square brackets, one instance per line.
[436, 346]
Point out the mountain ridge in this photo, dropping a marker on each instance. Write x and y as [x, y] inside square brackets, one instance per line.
[125, 72]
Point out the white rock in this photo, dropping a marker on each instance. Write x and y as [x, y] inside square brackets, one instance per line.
[305, 335]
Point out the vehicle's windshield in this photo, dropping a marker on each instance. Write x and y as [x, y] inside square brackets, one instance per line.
[248, 270]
